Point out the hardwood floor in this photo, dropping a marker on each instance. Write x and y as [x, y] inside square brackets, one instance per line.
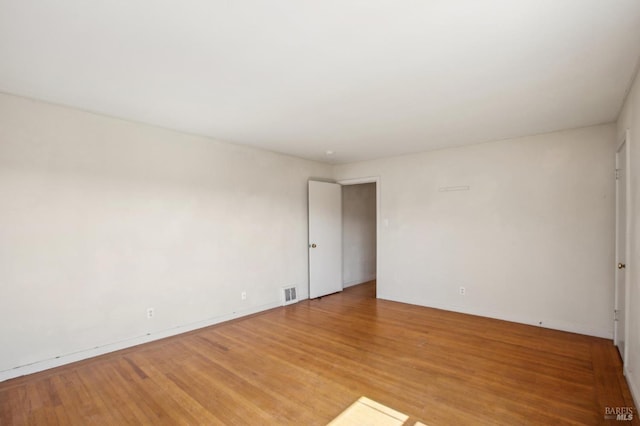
[305, 363]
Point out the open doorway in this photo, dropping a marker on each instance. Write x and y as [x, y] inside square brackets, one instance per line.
[359, 237]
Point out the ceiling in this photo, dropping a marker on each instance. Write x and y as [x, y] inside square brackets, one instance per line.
[363, 78]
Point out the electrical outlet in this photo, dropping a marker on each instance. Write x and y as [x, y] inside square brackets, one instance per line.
[462, 291]
[149, 313]
[243, 295]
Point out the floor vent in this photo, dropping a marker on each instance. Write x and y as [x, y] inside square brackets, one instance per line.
[290, 295]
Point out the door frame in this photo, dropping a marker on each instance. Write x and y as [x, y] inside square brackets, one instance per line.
[623, 144]
[376, 180]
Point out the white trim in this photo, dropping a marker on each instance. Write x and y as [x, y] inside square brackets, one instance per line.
[623, 144]
[635, 392]
[358, 181]
[630, 376]
[615, 249]
[605, 333]
[623, 140]
[61, 360]
[627, 248]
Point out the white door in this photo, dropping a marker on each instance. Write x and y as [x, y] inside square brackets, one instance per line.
[621, 248]
[325, 238]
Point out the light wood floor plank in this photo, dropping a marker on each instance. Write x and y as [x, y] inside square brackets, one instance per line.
[306, 363]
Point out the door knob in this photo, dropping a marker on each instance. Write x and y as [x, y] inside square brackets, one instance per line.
[621, 266]
[313, 246]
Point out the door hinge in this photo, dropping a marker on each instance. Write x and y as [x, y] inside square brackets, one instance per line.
[615, 315]
[617, 174]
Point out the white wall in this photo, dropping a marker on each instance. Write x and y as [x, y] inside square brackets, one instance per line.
[358, 233]
[102, 218]
[630, 119]
[531, 240]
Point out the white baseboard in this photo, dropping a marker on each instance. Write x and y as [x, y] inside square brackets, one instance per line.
[546, 323]
[360, 281]
[61, 360]
[633, 387]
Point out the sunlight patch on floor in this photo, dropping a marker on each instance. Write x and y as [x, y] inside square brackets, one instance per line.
[368, 412]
